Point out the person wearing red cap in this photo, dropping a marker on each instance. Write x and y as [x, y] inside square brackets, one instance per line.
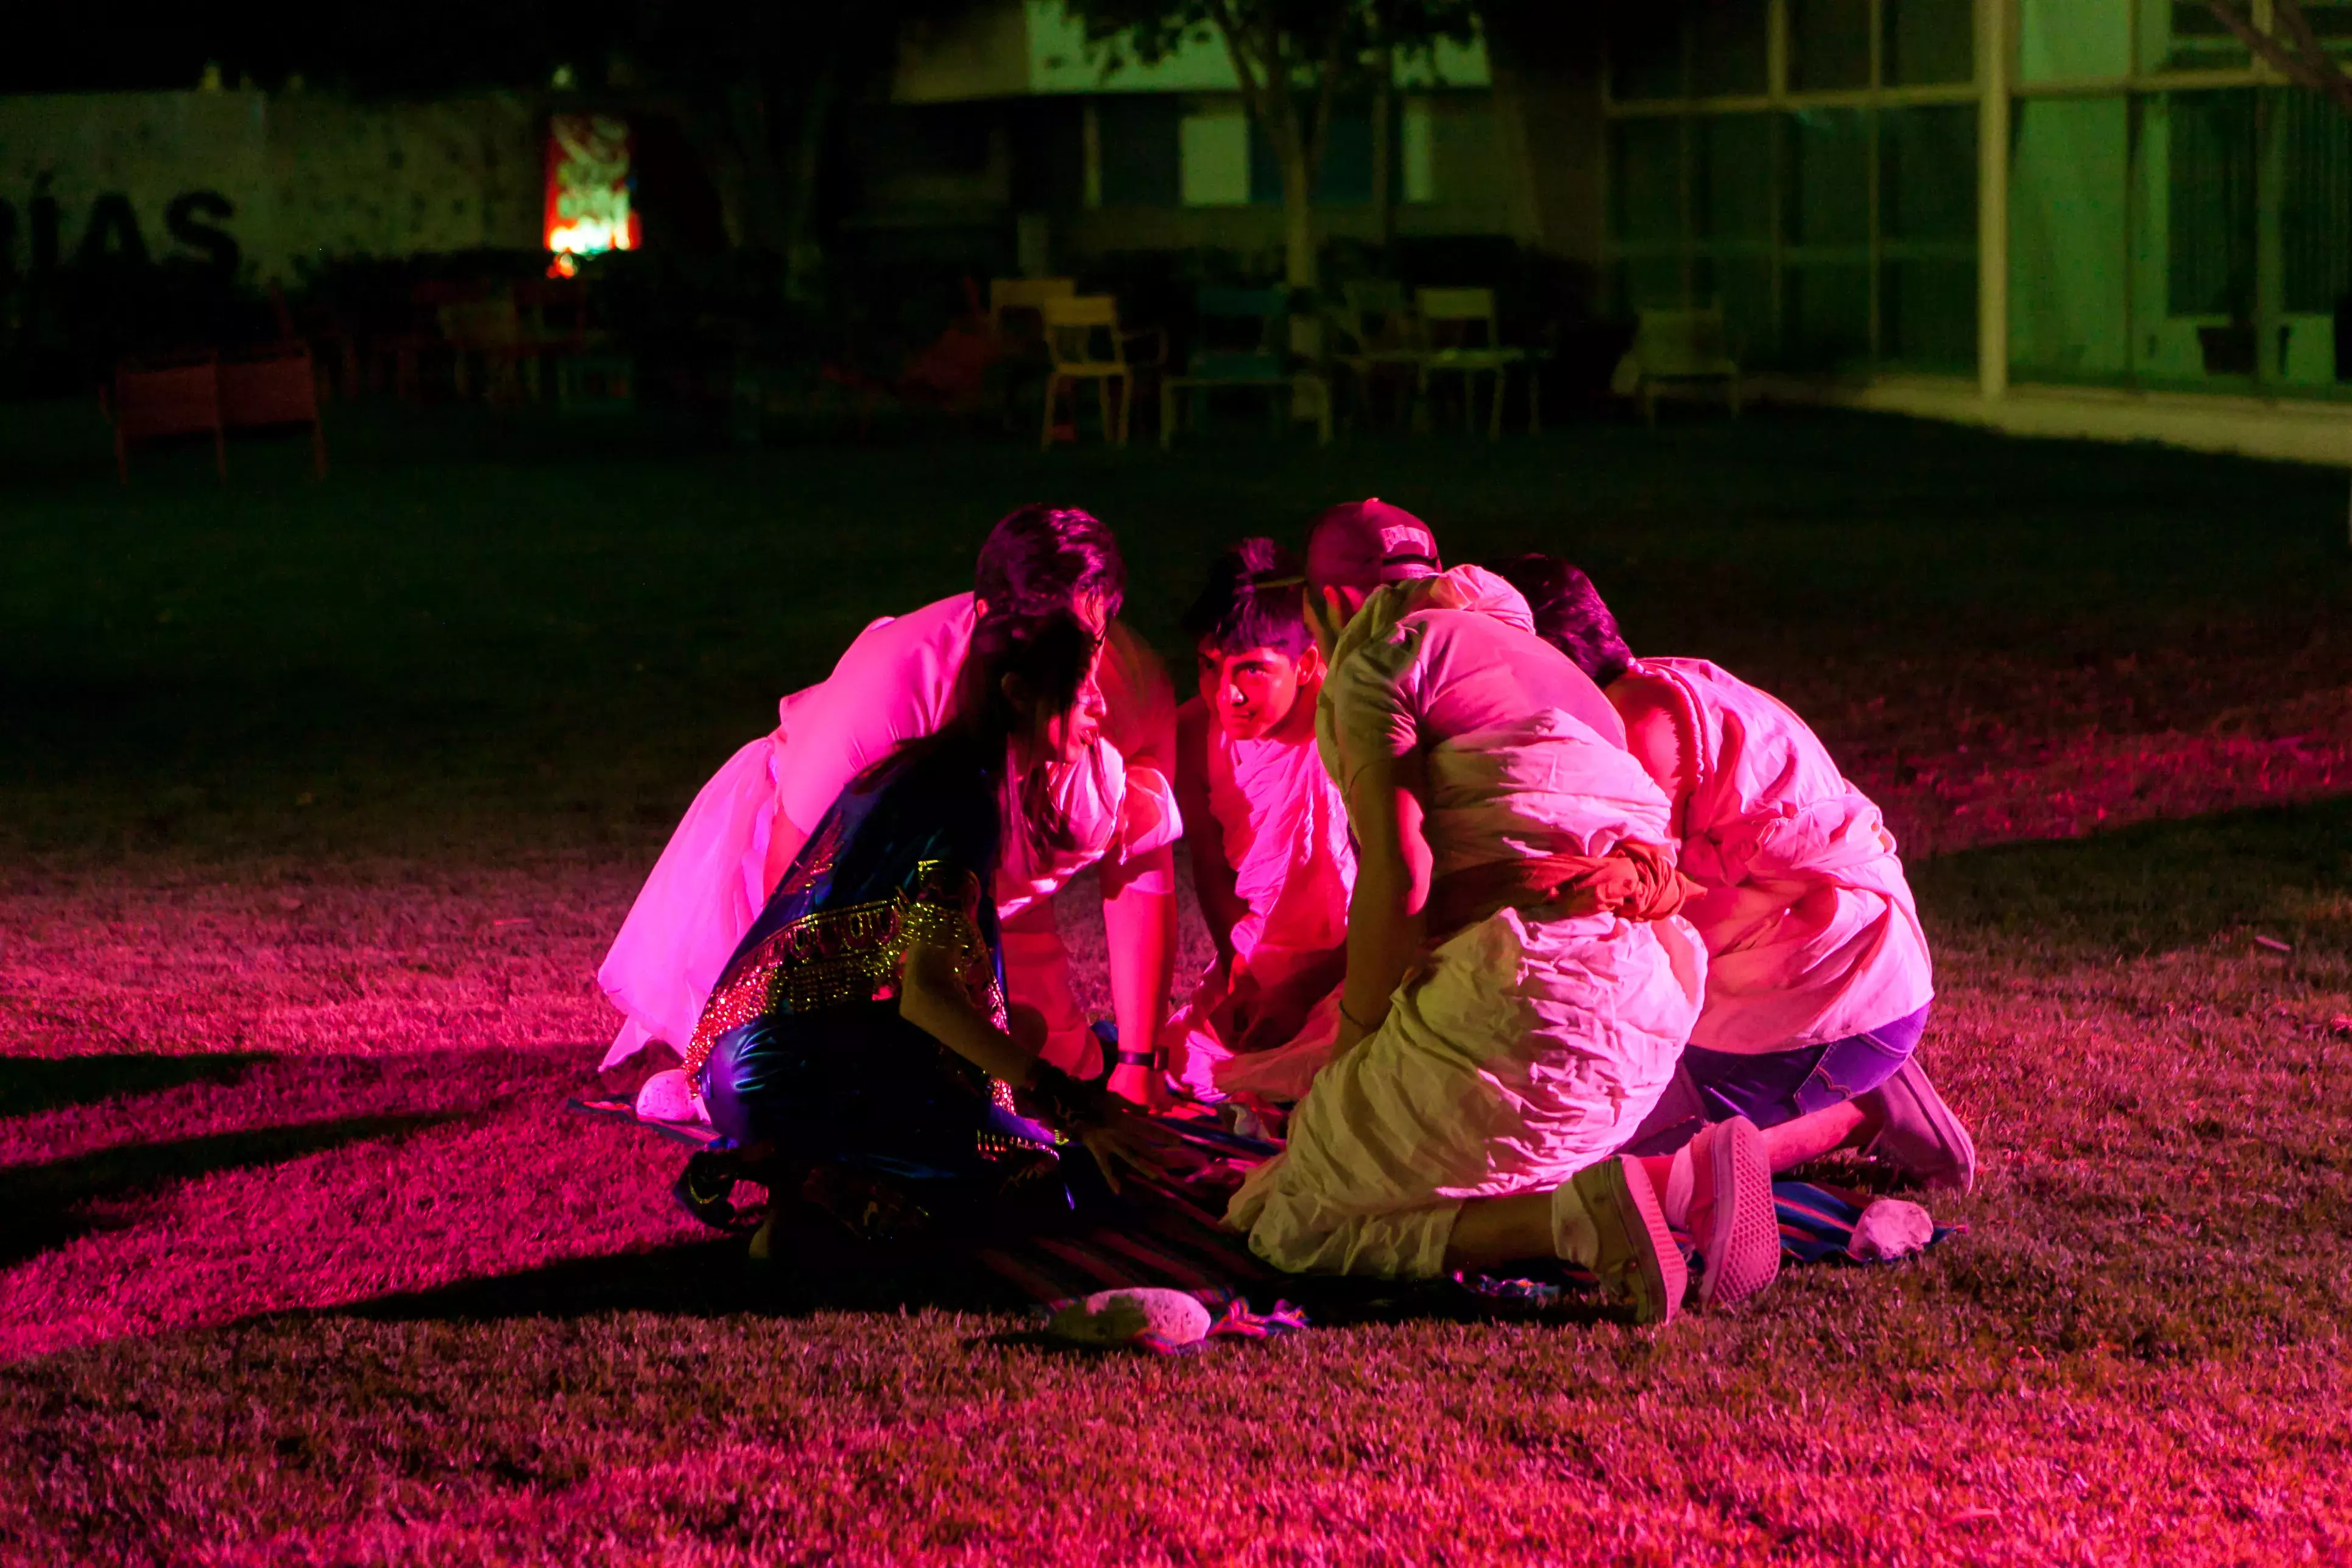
[1518, 984]
[1360, 544]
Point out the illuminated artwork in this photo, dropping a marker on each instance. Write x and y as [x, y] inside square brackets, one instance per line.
[588, 210]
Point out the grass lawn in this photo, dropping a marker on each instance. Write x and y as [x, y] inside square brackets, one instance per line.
[318, 803]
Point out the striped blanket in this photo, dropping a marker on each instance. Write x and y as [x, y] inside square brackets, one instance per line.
[1169, 1235]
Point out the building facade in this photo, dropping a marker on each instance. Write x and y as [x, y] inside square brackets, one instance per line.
[1011, 111]
[2072, 217]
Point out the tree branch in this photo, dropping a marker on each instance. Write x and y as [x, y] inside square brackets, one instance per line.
[2307, 67]
[1335, 49]
[1254, 97]
[2306, 42]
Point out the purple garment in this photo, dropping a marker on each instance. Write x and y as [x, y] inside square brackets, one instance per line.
[1772, 1086]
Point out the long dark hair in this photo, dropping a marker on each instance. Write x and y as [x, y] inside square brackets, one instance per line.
[1047, 656]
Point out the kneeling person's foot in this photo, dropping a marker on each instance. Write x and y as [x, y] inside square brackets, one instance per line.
[1637, 1259]
[1732, 1220]
[1918, 1132]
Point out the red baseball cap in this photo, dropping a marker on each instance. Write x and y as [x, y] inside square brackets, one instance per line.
[1364, 543]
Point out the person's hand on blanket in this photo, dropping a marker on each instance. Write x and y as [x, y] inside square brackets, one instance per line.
[1125, 1138]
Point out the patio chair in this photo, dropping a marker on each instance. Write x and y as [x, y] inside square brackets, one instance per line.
[155, 398]
[277, 385]
[487, 331]
[1678, 348]
[334, 349]
[1376, 339]
[1463, 338]
[1083, 343]
[1023, 298]
[418, 348]
[555, 327]
[1241, 341]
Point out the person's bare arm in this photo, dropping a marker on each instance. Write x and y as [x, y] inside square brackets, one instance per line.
[1654, 735]
[932, 997]
[1388, 914]
[1140, 929]
[1213, 878]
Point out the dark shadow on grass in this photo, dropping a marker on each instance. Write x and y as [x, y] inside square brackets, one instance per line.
[822, 1269]
[30, 1083]
[2159, 884]
[45, 1206]
[816, 1270]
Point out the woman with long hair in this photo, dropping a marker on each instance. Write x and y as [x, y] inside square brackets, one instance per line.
[895, 682]
[856, 1049]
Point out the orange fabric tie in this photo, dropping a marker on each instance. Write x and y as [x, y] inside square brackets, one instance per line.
[1634, 880]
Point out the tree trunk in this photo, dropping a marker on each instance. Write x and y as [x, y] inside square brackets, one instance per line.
[1298, 248]
[803, 252]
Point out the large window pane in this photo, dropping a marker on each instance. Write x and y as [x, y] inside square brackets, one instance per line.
[2185, 35]
[1645, 53]
[2068, 252]
[2074, 40]
[1927, 222]
[2315, 205]
[1828, 45]
[1827, 178]
[1733, 177]
[2210, 206]
[1141, 165]
[1929, 41]
[1742, 286]
[1647, 283]
[1826, 324]
[1345, 176]
[1646, 181]
[1728, 48]
[1928, 312]
[1927, 173]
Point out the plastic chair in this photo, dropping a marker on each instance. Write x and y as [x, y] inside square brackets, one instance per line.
[1678, 348]
[489, 330]
[1240, 336]
[274, 385]
[1024, 296]
[155, 398]
[1463, 338]
[1379, 341]
[1083, 343]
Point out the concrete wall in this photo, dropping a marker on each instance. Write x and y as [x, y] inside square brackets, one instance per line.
[282, 179]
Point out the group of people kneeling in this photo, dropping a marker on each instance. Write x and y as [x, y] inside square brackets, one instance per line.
[1526, 946]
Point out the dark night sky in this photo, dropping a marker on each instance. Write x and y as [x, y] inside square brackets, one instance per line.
[86, 45]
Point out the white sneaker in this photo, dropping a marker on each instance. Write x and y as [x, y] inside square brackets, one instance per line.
[1638, 1263]
[1918, 1134]
[1732, 1221]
